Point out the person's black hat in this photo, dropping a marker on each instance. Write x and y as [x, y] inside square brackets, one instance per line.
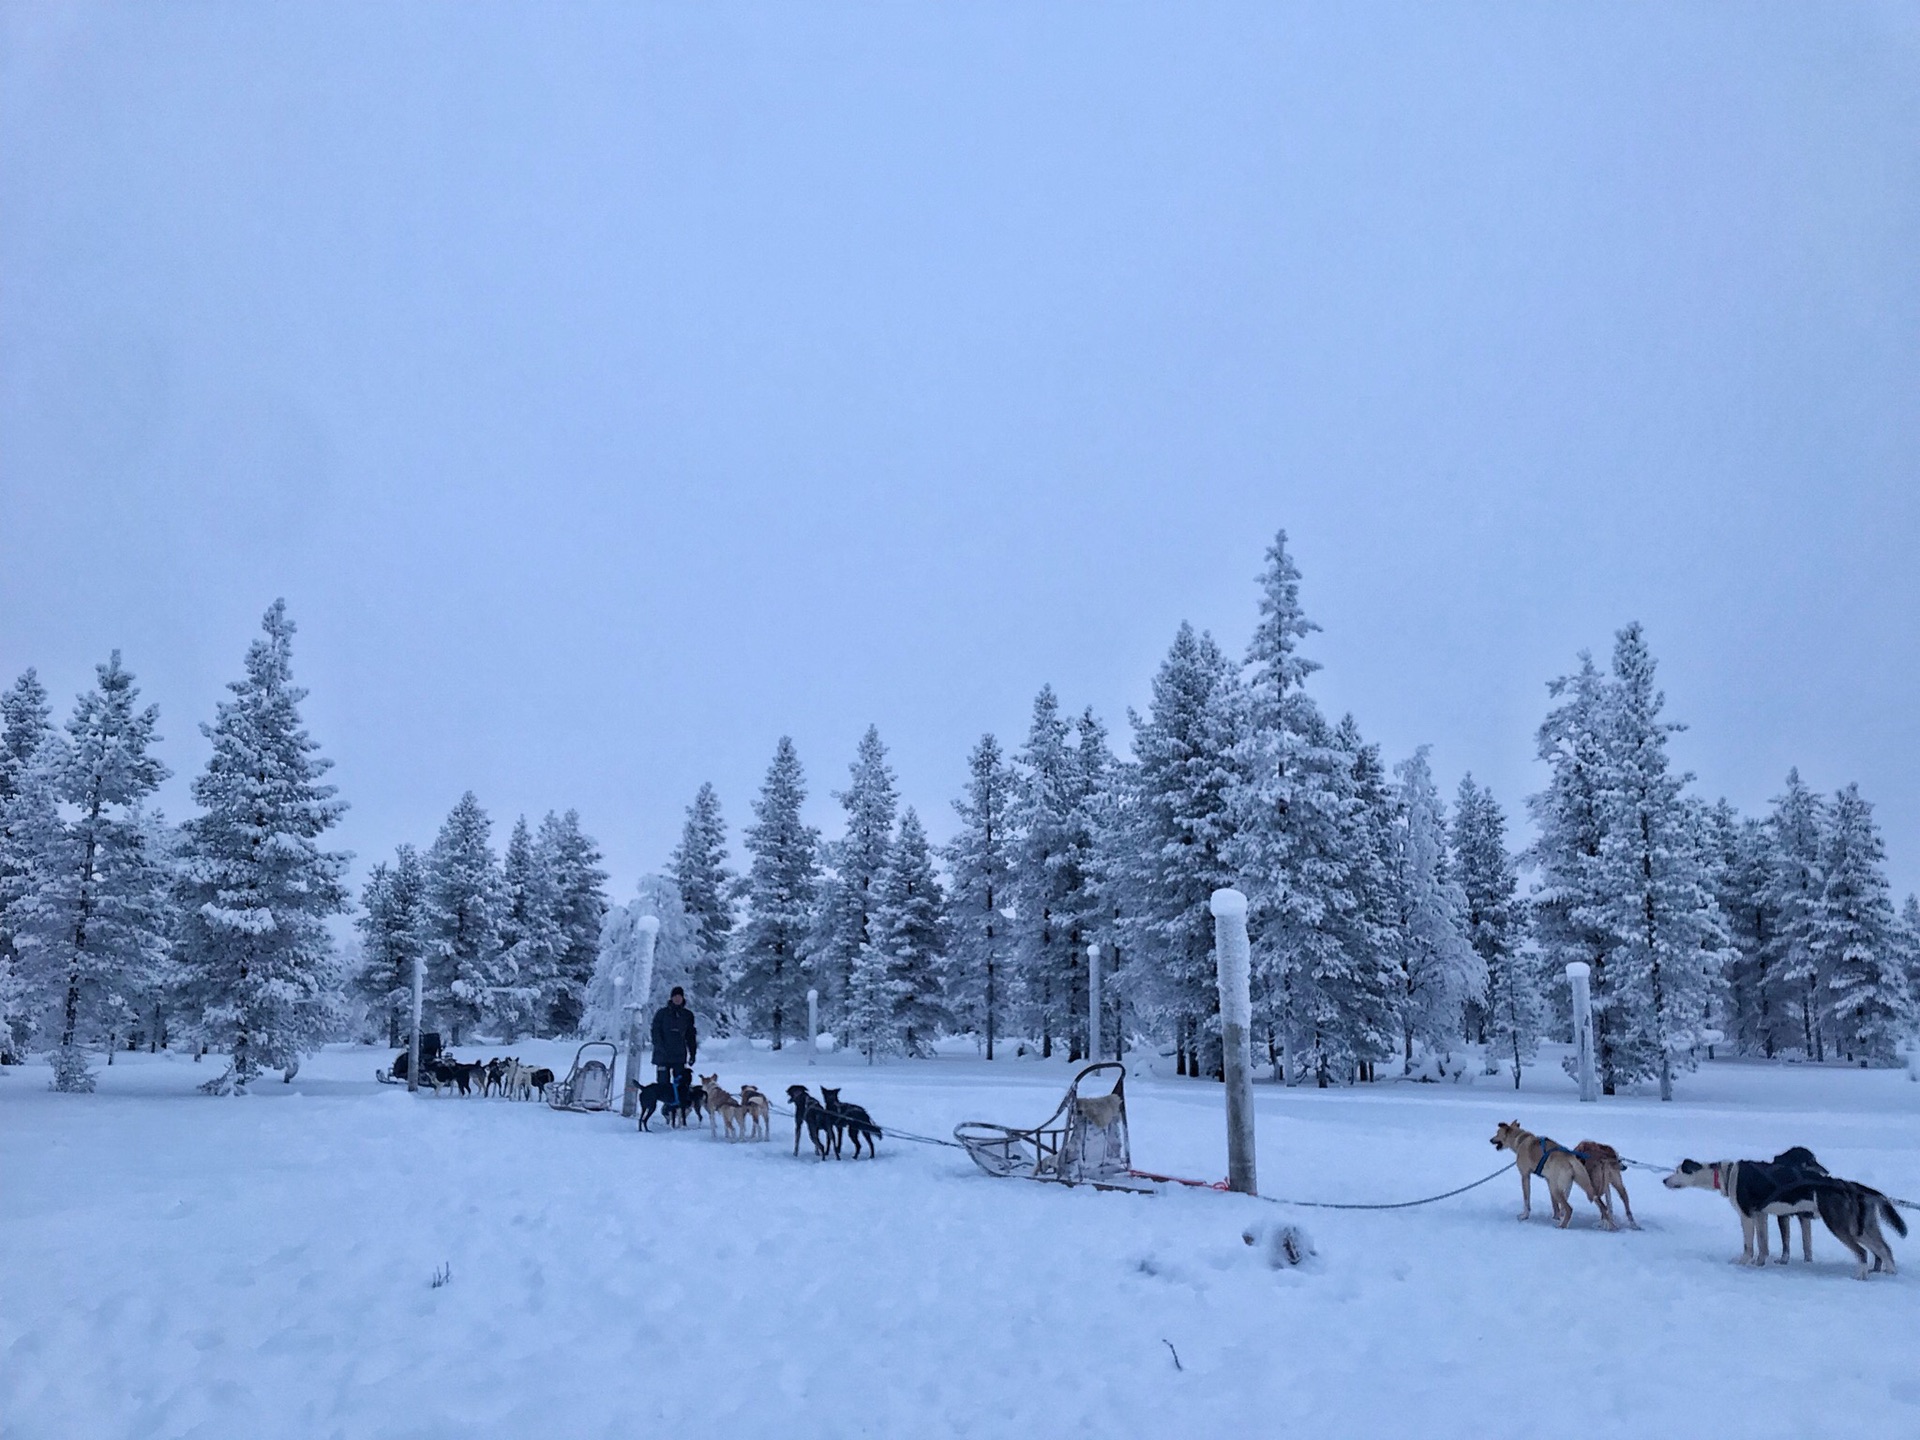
[678, 991]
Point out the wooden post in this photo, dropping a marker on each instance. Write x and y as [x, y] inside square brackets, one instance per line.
[1234, 967]
[813, 1025]
[1577, 973]
[1093, 1000]
[413, 1045]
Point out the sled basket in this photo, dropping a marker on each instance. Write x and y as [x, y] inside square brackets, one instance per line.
[1084, 1141]
[589, 1085]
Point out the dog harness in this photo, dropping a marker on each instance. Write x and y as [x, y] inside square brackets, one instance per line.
[1548, 1149]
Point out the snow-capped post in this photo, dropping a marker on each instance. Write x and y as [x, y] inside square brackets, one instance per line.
[1234, 966]
[813, 1025]
[413, 1042]
[646, 930]
[1093, 1000]
[1577, 973]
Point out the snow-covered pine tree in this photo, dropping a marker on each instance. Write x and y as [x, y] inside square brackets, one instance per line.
[391, 914]
[783, 877]
[581, 887]
[1496, 927]
[1176, 835]
[913, 937]
[1291, 808]
[1569, 894]
[91, 917]
[531, 981]
[1350, 990]
[1440, 971]
[1065, 774]
[981, 859]
[1857, 940]
[26, 722]
[1755, 1013]
[1666, 935]
[1796, 861]
[699, 867]
[464, 899]
[677, 960]
[256, 888]
[1910, 948]
[849, 896]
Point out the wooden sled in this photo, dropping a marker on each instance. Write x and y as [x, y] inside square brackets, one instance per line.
[1084, 1141]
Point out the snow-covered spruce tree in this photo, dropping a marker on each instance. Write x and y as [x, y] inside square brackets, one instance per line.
[1666, 935]
[533, 942]
[1290, 807]
[1064, 772]
[699, 868]
[390, 919]
[981, 859]
[1796, 861]
[848, 898]
[783, 878]
[1496, 927]
[1569, 893]
[1440, 971]
[465, 898]
[1352, 990]
[1857, 939]
[677, 960]
[581, 889]
[1750, 1015]
[26, 722]
[1177, 830]
[913, 937]
[91, 917]
[1910, 948]
[256, 888]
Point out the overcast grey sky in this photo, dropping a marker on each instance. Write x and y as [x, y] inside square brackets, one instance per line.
[611, 388]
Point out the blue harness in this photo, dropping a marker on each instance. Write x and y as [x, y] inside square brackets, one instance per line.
[1548, 1149]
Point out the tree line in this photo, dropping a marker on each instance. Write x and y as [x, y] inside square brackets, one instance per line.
[1392, 931]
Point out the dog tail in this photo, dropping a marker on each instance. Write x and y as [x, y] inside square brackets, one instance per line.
[1890, 1213]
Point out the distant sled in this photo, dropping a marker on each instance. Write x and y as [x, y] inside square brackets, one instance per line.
[1084, 1141]
[429, 1052]
[589, 1085]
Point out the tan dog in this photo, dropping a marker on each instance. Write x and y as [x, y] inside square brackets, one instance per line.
[1607, 1173]
[1554, 1163]
[722, 1108]
[758, 1110]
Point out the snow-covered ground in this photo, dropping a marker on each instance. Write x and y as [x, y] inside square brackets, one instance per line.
[175, 1265]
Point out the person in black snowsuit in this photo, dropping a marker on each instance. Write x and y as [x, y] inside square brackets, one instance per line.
[675, 1045]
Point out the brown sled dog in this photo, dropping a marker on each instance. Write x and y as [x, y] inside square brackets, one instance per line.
[1558, 1166]
[1607, 1173]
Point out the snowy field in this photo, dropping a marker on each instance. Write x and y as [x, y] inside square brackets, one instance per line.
[180, 1266]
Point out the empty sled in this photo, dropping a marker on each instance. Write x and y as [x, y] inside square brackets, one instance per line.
[589, 1085]
[1084, 1141]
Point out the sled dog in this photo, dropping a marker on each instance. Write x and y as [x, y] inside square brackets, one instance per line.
[852, 1120]
[1794, 1183]
[809, 1114]
[1560, 1167]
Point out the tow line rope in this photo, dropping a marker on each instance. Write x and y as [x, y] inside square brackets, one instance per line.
[1331, 1204]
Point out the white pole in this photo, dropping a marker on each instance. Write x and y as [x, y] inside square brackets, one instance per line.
[1234, 967]
[1093, 1000]
[1577, 973]
[813, 1025]
[413, 1045]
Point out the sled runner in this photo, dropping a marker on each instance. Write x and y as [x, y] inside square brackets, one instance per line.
[1083, 1142]
[589, 1085]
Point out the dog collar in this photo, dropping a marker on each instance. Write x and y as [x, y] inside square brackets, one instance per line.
[1715, 1167]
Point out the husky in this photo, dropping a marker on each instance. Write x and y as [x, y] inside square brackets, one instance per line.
[722, 1108]
[1560, 1167]
[810, 1114]
[1794, 1183]
[758, 1109]
[850, 1119]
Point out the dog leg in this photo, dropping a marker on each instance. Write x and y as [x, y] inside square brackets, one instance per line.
[1806, 1239]
[1620, 1184]
[1746, 1240]
[1526, 1195]
[1760, 1229]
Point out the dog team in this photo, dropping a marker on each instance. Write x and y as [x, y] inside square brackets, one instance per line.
[1793, 1183]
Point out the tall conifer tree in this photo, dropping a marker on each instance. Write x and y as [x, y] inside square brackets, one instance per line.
[770, 983]
[981, 859]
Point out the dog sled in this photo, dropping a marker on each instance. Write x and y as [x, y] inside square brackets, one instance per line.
[1084, 1141]
[589, 1085]
[396, 1074]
